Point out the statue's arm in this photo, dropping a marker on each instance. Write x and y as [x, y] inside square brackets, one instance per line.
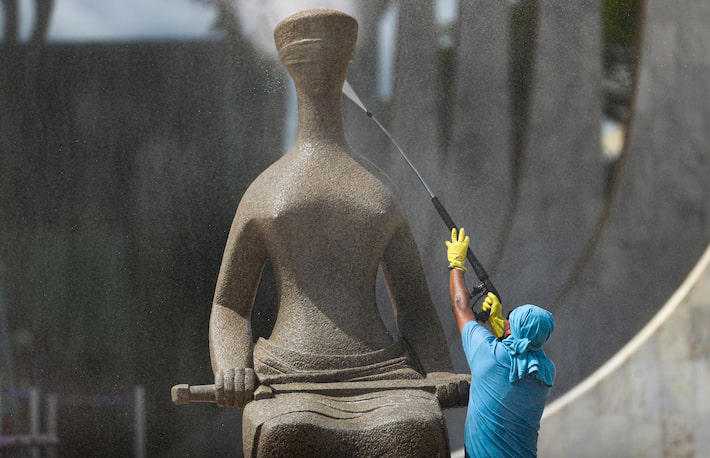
[230, 322]
[415, 315]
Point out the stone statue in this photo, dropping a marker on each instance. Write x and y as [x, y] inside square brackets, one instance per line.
[326, 219]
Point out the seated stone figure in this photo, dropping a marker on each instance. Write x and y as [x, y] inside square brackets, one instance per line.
[326, 219]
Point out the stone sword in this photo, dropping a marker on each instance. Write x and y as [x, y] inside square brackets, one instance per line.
[450, 391]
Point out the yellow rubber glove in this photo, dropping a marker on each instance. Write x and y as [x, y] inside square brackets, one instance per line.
[495, 319]
[457, 248]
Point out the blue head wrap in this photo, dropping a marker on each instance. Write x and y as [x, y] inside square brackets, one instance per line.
[530, 327]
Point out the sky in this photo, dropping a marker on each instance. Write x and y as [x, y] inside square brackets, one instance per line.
[125, 20]
[119, 20]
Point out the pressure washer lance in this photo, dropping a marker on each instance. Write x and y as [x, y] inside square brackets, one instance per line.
[485, 285]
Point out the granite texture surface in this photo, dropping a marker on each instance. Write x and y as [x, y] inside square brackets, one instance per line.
[326, 219]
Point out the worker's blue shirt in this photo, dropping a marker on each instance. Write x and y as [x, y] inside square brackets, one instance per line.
[503, 418]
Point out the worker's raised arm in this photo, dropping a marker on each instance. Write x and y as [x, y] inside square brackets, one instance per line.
[415, 315]
[460, 299]
[230, 322]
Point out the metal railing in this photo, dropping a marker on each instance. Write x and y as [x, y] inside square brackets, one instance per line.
[37, 440]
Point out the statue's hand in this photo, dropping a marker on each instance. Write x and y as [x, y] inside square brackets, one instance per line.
[234, 387]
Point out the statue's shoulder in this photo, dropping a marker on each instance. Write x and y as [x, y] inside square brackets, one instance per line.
[268, 190]
[258, 194]
[385, 185]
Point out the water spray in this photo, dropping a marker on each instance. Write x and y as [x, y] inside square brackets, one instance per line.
[485, 286]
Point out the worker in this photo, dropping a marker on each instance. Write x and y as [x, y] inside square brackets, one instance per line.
[510, 374]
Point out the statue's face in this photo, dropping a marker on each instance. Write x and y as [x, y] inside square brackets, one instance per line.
[319, 76]
[317, 47]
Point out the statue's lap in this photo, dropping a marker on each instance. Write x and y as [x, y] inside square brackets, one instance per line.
[396, 422]
[384, 423]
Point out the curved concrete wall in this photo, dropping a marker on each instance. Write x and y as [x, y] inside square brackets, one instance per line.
[561, 176]
[652, 397]
[658, 224]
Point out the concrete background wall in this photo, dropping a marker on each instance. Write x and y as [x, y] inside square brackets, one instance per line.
[650, 399]
[120, 168]
[659, 218]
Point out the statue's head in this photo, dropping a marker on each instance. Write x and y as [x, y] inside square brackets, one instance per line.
[317, 46]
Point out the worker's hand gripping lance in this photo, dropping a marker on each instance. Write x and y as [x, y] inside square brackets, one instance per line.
[485, 285]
